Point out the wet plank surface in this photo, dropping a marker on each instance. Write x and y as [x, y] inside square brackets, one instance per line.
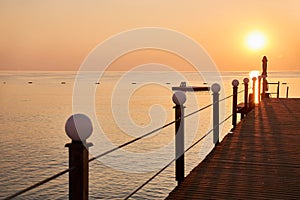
[260, 160]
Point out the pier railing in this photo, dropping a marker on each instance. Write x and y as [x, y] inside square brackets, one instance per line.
[78, 148]
[278, 89]
[79, 128]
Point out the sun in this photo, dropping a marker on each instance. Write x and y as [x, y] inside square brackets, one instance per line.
[256, 40]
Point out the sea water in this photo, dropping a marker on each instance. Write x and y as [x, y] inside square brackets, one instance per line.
[36, 105]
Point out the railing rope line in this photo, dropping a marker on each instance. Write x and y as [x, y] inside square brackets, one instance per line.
[241, 91]
[131, 141]
[199, 110]
[39, 183]
[166, 166]
[150, 179]
[199, 140]
[209, 105]
[155, 130]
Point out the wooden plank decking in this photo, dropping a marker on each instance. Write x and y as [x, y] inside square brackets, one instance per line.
[260, 160]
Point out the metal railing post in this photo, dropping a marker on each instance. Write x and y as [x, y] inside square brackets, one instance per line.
[216, 129]
[179, 99]
[258, 92]
[253, 96]
[278, 89]
[78, 128]
[246, 81]
[264, 76]
[264, 87]
[235, 84]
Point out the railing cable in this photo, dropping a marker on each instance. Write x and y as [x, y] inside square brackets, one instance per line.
[150, 179]
[225, 98]
[241, 91]
[207, 106]
[225, 119]
[203, 108]
[165, 167]
[132, 141]
[153, 131]
[199, 140]
[39, 183]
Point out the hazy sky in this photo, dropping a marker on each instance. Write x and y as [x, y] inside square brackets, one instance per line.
[59, 34]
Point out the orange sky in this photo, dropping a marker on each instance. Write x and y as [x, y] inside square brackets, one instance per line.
[59, 34]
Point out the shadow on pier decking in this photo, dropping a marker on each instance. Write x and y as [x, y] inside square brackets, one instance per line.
[260, 160]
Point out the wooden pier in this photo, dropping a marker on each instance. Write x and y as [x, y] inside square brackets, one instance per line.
[259, 160]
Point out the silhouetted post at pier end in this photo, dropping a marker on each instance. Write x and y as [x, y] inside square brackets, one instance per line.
[179, 99]
[264, 76]
[78, 128]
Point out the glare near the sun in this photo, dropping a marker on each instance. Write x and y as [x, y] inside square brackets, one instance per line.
[253, 74]
[256, 40]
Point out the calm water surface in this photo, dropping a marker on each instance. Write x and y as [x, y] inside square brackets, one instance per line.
[32, 136]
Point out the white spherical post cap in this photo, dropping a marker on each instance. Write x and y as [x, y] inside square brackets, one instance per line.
[179, 98]
[235, 83]
[79, 127]
[215, 87]
[246, 80]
